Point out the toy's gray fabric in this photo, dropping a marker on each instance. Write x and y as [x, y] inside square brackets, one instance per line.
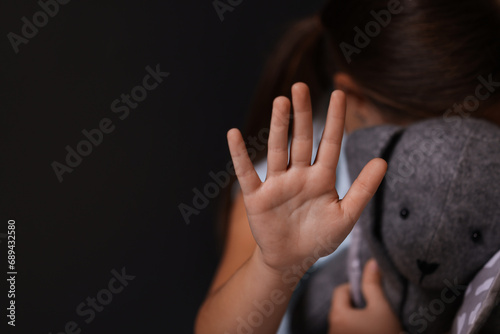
[310, 312]
[435, 221]
[433, 224]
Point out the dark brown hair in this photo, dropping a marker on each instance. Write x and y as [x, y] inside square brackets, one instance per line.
[427, 59]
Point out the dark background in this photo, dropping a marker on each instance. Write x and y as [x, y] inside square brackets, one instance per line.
[119, 207]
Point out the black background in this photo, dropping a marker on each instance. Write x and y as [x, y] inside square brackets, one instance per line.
[119, 208]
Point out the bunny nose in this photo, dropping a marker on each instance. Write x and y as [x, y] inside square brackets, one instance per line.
[426, 268]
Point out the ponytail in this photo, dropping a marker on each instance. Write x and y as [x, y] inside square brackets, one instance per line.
[301, 55]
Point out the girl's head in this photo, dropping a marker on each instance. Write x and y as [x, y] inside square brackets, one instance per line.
[397, 60]
[411, 59]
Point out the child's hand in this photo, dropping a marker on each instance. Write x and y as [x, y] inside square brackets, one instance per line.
[298, 203]
[376, 318]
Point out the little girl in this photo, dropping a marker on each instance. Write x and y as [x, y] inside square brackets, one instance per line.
[395, 62]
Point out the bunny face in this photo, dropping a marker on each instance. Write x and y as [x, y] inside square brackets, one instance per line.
[433, 224]
[441, 203]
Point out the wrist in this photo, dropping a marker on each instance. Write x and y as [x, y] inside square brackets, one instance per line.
[286, 276]
[260, 262]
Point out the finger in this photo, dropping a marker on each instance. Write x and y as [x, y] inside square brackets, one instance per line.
[363, 189]
[247, 176]
[302, 132]
[341, 298]
[331, 141]
[371, 283]
[277, 152]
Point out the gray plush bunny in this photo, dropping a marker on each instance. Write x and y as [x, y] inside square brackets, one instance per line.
[433, 227]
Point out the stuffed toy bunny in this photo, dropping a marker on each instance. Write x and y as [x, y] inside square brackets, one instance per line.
[433, 228]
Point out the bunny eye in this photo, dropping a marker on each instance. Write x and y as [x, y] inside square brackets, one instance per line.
[476, 236]
[404, 213]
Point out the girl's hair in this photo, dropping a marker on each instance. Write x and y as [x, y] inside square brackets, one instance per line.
[425, 59]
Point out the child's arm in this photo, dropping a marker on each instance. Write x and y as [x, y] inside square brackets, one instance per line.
[291, 214]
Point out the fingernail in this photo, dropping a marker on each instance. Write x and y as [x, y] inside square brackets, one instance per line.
[373, 266]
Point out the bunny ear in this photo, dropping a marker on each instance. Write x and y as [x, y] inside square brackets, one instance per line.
[480, 310]
[362, 146]
[366, 144]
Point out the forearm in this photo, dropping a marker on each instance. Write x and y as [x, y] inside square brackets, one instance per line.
[255, 297]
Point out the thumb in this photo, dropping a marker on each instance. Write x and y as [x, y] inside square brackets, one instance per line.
[371, 283]
[341, 298]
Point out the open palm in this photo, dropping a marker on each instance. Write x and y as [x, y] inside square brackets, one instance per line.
[298, 204]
